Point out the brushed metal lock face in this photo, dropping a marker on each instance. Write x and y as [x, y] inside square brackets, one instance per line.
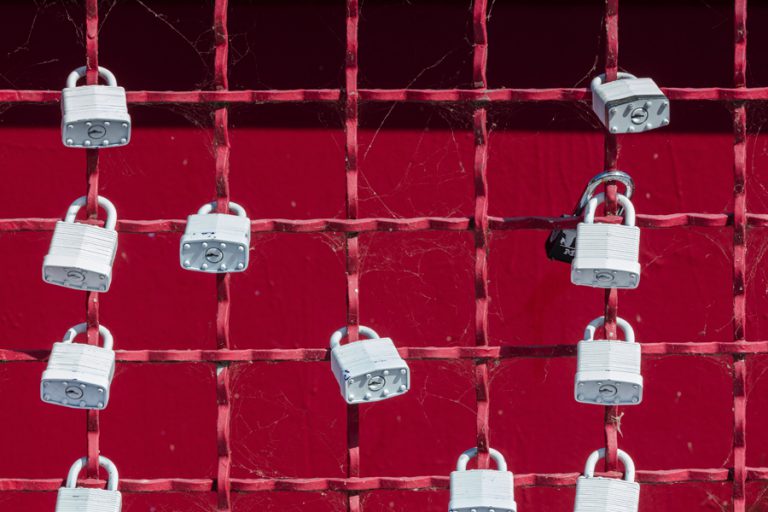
[79, 375]
[81, 255]
[368, 370]
[608, 371]
[629, 104]
[607, 255]
[482, 490]
[79, 499]
[216, 242]
[94, 116]
[599, 494]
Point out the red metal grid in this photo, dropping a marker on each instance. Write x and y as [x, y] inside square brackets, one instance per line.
[480, 224]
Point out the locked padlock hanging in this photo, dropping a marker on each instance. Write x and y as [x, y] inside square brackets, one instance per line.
[368, 370]
[81, 499]
[607, 254]
[561, 244]
[81, 255]
[629, 104]
[482, 490]
[79, 375]
[216, 242]
[601, 494]
[94, 116]
[608, 371]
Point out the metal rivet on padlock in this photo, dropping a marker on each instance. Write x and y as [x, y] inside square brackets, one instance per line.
[216, 242]
[368, 370]
[608, 371]
[94, 116]
[607, 254]
[79, 375]
[81, 499]
[629, 104]
[599, 494]
[81, 255]
[561, 244]
[482, 490]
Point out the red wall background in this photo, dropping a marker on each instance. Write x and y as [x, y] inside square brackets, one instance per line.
[287, 161]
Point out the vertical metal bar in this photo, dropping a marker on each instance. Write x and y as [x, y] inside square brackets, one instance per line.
[221, 153]
[92, 210]
[611, 417]
[739, 257]
[480, 128]
[351, 149]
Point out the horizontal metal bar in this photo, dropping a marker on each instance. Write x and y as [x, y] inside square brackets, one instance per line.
[707, 348]
[403, 224]
[722, 94]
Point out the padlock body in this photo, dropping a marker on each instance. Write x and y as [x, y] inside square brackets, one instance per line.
[80, 257]
[216, 243]
[607, 256]
[630, 105]
[370, 370]
[78, 376]
[561, 245]
[482, 490]
[95, 116]
[608, 373]
[80, 499]
[599, 494]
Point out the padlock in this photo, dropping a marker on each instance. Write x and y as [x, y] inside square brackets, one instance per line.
[81, 499]
[81, 255]
[561, 244]
[216, 242]
[607, 254]
[482, 490]
[94, 116]
[79, 375]
[629, 104]
[608, 371]
[368, 370]
[599, 494]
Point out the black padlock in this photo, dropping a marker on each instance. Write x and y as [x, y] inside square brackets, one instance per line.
[561, 244]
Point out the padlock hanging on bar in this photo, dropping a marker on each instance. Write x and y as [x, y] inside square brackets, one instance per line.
[81, 499]
[94, 116]
[368, 370]
[216, 242]
[81, 255]
[629, 104]
[601, 494]
[561, 244]
[482, 490]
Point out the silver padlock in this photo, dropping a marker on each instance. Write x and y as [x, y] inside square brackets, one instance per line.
[607, 255]
[599, 494]
[81, 499]
[79, 375]
[629, 104]
[368, 370]
[482, 490]
[608, 371]
[81, 255]
[94, 116]
[216, 242]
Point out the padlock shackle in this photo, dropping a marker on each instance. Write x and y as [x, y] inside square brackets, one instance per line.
[594, 325]
[626, 460]
[209, 207]
[112, 478]
[105, 203]
[72, 333]
[364, 331]
[604, 177]
[470, 454]
[79, 73]
[629, 208]
[621, 75]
